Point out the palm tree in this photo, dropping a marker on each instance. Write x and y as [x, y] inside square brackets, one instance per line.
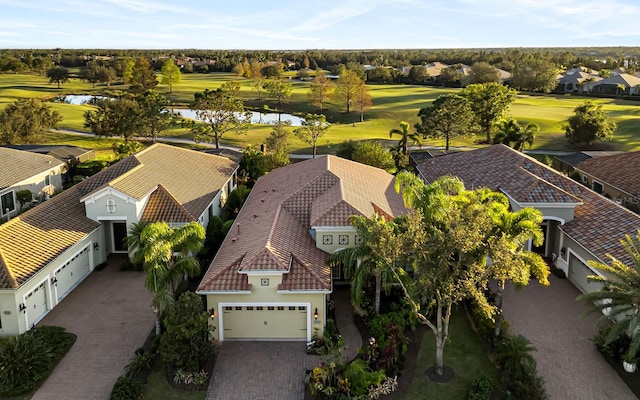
[586, 83]
[620, 89]
[167, 256]
[620, 294]
[512, 132]
[505, 248]
[374, 257]
[405, 137]
[133, 242]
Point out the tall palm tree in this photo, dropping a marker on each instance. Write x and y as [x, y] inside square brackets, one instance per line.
[133, 242]
[168, 255]
[620, 293]
[405, 137]
[374, 257]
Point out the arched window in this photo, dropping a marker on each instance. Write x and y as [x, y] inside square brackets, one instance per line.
[111, 206]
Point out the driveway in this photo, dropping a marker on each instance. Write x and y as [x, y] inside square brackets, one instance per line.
[553, 321]
[260, 371]
[111, 315]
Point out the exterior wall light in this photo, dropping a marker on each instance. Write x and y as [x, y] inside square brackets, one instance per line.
[315, 314]
[212, 313]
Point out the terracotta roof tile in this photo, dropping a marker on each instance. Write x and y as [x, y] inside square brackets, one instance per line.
[18, 165]
[619, 170]
[272, 229]
[598, 225]
[162, 206]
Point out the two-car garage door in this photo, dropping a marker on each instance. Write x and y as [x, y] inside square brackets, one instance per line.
[264, 322]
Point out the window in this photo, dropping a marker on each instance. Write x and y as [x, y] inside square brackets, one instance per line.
[358, 239]
[7, 203]
[343, 239]
[270, 308]
[47, 180]
[597, 187]
[280, 308]
[327, 239]
[292, 308]
[302, 308]
[259, 308]
[228, 308]
[238, 308]
[249, 308]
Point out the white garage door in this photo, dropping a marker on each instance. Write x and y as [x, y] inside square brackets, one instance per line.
[71, 274]
[578, 273]
[264, 322]
[36, 303]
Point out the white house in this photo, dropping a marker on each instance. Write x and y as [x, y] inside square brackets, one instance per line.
[47, 251]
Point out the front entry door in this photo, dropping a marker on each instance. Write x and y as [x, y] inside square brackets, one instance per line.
[119, 236]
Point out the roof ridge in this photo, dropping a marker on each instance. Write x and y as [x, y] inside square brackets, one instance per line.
[308, 269]
[165, 190]
[556, 187]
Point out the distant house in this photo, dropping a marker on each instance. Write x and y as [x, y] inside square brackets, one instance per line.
[577, 82]
[20, 170]
[616, 176]
[270, 279]
[48, 250]
[611, 85]
[71, 155]
[578, 224]
[566, 163]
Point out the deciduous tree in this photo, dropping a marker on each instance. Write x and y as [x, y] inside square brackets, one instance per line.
[170, 74]
[220, 112]
[589, 124]
[483, 72]
[313, 127]
[372, 153]
[119, 117]
[489, 102]
[156, 118]
[58, 75]
[278, 88]
[23, 121]
[362, 99]
[143, 77]
[450, 116]
[321, 90]
[534, 74]
[346, 87]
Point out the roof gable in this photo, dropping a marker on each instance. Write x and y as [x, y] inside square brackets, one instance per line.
[162, 206]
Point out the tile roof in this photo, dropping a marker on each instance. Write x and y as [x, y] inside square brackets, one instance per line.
[177, 169]
[18, 165]
[33, 239]
[61, 152]
[162, 206]
[619, 170]
[599, 223]
[271, 232]
[624, 79]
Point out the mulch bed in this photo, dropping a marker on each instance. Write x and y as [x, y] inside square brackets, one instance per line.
[208, 367]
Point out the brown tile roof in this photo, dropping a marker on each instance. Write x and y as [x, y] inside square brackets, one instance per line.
[272, 230]
[619, 170]
[18, 165]
[177, 169]
[33, 239]
[598, 225]
[162, 206]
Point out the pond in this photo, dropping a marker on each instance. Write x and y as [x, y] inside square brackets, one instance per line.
[256, 117]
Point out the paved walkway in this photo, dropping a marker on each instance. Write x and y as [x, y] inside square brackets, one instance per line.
[344, 321]
[567, 360]
[111, 314]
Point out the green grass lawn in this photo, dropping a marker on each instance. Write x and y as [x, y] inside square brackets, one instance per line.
[464, 353]
[158, 388]
[391, 104]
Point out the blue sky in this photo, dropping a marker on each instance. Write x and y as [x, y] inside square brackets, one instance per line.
[316, 24]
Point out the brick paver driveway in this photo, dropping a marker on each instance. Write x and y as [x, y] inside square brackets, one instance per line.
[111, 314]
[567, 360]
[260, 371]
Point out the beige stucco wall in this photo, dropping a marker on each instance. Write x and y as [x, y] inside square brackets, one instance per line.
[345, 233]
[10, 299]
[268, 295]
[36, 184]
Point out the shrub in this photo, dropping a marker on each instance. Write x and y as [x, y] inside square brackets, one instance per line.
[55, 337]
[92, 167]
[24, 361]
[140, 362]
[126, 388]
[379, 323]
[481, 389]
[186, 344]
[360, 377]
[519, 370]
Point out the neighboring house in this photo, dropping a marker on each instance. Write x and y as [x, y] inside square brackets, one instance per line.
[611, 85]
[20, 170]
[615, 176]
[566, 163]
[71, 155]
[50, 249]
[579, 225]
[270, 279]
[577, 82]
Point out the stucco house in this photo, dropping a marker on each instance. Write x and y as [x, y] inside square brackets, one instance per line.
[579, 225]
[611, 85]
[48, 250]
[270, 279]
[20, 170]
[613, 175]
